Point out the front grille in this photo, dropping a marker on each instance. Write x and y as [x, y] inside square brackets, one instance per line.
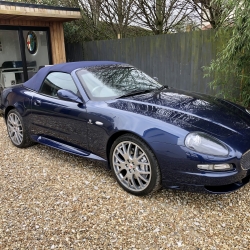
[245, 160]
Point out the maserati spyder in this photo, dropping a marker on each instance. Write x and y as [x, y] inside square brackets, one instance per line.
[148, 134]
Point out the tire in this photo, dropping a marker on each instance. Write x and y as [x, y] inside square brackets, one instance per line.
[134, 165]
[17, 130]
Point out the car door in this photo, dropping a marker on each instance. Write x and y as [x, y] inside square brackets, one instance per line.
[57, 119]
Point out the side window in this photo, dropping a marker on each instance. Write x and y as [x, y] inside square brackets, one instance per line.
[55, 81]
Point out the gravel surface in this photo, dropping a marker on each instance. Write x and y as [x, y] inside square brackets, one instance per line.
[53, 200]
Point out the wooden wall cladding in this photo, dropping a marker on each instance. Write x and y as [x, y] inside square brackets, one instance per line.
[17, 22]
[57, 42]
[38, 14]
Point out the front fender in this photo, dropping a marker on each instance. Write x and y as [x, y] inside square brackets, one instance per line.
[115, 122]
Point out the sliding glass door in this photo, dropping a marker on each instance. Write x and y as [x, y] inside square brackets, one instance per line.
[23, 51]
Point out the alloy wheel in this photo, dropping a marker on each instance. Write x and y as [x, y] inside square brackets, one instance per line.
[15, 129]
[132, 166]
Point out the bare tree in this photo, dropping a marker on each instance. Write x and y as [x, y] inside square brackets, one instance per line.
[101, 19]
[91, 20]
[118, 15]
[106, 19]
[211, 12]
[162, 16]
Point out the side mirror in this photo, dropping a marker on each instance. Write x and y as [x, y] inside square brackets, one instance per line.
[68, 95]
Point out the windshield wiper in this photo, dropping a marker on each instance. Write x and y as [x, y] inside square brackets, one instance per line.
[162, 87]
[136, 92]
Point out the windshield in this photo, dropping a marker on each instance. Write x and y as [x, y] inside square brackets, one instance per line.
[109, 82]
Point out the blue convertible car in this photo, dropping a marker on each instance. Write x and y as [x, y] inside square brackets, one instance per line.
[150, 135]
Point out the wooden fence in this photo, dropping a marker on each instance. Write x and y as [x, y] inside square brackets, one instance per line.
[74, 52]
[176, 59]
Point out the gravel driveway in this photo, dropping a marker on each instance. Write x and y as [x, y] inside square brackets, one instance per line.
[52, 200]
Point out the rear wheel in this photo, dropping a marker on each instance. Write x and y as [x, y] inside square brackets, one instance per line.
[134, 165]
[17, 131]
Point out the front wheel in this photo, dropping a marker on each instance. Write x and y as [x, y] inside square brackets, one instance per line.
[17, 131]
[134, 165]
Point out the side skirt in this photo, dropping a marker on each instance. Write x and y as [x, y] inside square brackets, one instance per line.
[66, 148]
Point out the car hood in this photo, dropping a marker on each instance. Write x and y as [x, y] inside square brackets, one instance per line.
[191, 111]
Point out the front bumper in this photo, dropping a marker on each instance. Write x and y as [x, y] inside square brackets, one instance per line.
[217, 189]
[186, 176]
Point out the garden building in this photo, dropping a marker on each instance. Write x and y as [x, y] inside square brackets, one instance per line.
[31, 36]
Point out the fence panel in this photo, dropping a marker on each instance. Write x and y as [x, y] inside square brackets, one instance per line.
[176, 59]
[74, 52]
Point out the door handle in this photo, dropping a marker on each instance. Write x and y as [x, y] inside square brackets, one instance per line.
[37, 102]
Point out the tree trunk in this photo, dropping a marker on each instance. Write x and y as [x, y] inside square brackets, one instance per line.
[159, 16]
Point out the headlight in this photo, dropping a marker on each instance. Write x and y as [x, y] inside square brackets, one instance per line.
[206, 144]
[248, 111]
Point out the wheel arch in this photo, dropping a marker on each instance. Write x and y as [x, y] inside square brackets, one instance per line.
[7, 110]
[154, 183]
[118, 134]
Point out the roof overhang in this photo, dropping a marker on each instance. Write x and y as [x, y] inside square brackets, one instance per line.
[35, 12]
